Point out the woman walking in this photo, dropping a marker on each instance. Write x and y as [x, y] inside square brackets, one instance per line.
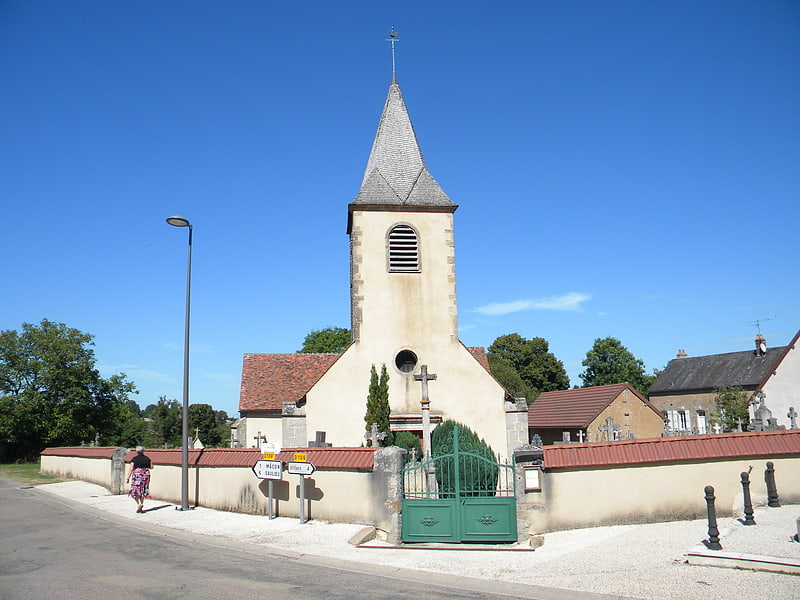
[139, 478]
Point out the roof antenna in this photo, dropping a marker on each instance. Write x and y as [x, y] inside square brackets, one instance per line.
[393, 37]
[757, 323]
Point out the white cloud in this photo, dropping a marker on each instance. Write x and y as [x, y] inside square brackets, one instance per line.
[570, 301]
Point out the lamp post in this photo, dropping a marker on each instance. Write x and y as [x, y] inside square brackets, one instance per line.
[177, 221]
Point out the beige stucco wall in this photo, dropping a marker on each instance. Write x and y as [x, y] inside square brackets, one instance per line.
[782, 389]
[405, 311]
[94, 470]
[585, 498]
[632, 415]
[268, 426]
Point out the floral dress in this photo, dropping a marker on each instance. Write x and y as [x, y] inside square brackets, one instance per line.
[140, 483]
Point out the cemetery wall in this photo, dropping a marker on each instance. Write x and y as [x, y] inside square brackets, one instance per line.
[94, 470]
[593, 496]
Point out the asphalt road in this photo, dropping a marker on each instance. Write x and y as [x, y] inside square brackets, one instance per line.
[52, 549]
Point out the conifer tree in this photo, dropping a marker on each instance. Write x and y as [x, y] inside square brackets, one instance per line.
[378, 405]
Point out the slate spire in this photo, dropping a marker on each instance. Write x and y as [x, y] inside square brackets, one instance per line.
[396, 174]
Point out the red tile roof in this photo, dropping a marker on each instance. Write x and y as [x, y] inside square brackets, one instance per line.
[339, 459]
[269, 380]
[80, 451]
[700, 448]
[576, 408]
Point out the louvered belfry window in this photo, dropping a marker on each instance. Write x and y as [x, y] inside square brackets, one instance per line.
[403, 250]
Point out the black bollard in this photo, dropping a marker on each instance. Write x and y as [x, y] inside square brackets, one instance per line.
[712, 543]
[772, 491]
[748, 504]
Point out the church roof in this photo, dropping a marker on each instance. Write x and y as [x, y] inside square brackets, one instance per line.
[576, 408]
[396, 175]
[696, 373]
[269, 380]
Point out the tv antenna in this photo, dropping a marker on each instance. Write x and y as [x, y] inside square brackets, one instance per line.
[393, 37]
[757, 323]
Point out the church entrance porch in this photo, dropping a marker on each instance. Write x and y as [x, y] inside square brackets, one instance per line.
[461, 496]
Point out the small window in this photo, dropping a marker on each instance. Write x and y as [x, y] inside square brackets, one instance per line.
[403, 250]
[405, 361]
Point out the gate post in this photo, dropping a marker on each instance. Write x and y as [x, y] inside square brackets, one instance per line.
[387, 503]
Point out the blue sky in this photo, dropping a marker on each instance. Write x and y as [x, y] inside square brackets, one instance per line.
[623, 168]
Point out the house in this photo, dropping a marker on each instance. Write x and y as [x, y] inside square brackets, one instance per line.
[593, 414]
[684, 391]
[403, 315]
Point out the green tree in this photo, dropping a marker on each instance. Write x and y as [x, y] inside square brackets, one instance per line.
[731, 403]
[378, 410]
[51, 394]
[609, 362]
[330, 339]
[477, 476]
[203, 423]
[408, 441]
[163, 423]
[537, 369]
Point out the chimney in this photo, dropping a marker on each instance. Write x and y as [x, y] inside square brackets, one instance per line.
[761, 345]
[682, 354]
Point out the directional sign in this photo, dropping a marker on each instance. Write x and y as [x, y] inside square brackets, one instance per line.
[269, 456]
[300, 457]
[268, 469]
[300, 468]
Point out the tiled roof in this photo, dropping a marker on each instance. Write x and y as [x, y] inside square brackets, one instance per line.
[80, 451]
[576, 408]
[341, 459]
[706, 373]
[396, 173]
[700, 448]
[268, 380]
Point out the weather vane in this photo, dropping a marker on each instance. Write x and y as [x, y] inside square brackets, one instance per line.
[393, 38]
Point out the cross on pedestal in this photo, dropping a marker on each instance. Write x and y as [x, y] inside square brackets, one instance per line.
[792, 414]
[610, 429]
[425, 377]
[374, 436]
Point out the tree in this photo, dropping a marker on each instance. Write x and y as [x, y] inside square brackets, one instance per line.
[164, 427]
[51, 394]
[408, 441]
[537, 369]
[330, 339]
[731, 403]
[477, 476]
[609, 362]
[203, 423]
[378, 410]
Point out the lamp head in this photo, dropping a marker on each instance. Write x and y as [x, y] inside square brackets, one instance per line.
[178, 221]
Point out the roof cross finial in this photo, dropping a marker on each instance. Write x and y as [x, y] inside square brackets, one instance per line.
[393, 37]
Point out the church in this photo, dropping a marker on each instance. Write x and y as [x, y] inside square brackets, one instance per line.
[403, 315]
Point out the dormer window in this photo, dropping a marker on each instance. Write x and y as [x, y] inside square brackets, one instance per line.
[403, 250]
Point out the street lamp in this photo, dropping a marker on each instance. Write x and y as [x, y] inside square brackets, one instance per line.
[177, 221]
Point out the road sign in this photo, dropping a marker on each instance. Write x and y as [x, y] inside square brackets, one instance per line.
[268, 469]
[300, 457]
[300, 468]
[269, 456]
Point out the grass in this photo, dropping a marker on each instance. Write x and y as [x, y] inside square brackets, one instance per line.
[27, 473]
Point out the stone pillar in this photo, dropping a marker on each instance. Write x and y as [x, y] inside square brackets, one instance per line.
[293, 421]
[118, 470]
[388, 498]
[516, 424]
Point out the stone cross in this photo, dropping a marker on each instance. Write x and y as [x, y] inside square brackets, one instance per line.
[610, 429]
[792, 414]
[374, 436]
[424, 377]
[257, 438]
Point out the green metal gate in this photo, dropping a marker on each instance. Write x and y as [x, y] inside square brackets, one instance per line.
[463, 496]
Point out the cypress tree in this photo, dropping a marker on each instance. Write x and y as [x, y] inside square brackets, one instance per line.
[378, 405]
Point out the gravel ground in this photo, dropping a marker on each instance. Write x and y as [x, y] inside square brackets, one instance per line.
[636, 561]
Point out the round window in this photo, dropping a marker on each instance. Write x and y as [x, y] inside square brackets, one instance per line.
[406, 361]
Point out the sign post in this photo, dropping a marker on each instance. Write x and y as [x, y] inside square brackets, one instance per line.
[269, 470]
[300, 467]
